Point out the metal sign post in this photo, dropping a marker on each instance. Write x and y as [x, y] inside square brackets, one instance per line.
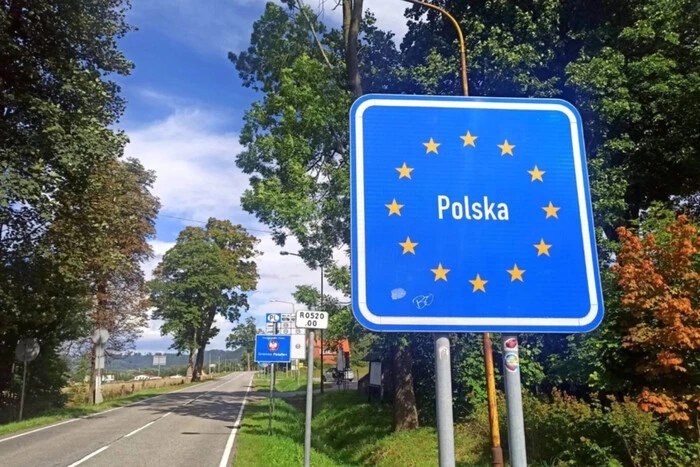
[26, 351]
[443, 400]
[488, 192]
[514, 401]
[310, 320]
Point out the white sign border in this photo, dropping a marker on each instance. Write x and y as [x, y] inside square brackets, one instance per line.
[470, 321]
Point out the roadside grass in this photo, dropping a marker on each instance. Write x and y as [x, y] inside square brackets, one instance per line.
[285, 382]
[347, 431]
[58, 415]
[286, 445]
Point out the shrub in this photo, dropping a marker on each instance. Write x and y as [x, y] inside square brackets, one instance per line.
[604, 432]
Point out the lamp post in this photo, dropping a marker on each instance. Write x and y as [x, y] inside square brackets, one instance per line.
[287, 253]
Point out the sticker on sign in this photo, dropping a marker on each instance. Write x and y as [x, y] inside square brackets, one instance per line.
[312, 319]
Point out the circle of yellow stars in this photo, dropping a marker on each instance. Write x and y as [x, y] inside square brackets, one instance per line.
[440, 272]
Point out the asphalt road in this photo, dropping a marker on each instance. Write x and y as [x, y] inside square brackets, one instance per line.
[195, 426]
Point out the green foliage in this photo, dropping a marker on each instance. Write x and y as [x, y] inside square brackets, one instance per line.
[208, 272]
[59, 109]
[568, 431]
[243, 335]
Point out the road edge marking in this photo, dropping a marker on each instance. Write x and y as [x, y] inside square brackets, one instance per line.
[102, 412]
[89, 456]
[19, 435]
[234, 431]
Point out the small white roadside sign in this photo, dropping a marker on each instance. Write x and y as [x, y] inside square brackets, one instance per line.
[298, 347]
[312, 319]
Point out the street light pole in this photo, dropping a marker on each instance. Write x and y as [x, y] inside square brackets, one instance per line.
[287, 253]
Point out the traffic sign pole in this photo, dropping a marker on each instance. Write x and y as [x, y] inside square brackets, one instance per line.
[24, 386]
[443, 399]
[309, 398]
[514, 401]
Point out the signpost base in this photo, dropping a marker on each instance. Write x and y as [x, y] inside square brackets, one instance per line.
[514, 401]
[443, 398]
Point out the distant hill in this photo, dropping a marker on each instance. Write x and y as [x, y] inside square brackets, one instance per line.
[145, 360]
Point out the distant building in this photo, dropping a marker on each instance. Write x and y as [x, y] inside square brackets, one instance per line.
[330, 353]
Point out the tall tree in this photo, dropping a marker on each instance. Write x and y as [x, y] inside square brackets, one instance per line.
[207, 273]
[243, 336]
[296, 139]
[57, 111]
[113, 218]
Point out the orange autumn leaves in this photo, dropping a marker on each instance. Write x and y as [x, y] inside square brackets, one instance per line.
[660, 281]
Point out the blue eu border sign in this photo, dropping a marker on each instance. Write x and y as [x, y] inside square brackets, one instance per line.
[471, 214]
[273, 348]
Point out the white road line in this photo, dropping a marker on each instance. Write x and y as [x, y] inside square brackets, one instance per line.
[39, 429]
[149, 399]
[89, 456]
[139, 429]
[232, 437]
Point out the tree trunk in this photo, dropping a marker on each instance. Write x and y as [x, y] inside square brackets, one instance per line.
[202, 340]
[197, 373]
[197, 369]
[405, 412]
[190, 363]
[352, 17]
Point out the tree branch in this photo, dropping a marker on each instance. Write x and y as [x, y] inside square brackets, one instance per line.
[313, 31]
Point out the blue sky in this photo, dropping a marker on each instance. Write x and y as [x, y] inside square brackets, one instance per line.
[184, 112]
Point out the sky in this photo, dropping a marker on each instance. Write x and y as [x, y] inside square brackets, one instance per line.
[184, 112]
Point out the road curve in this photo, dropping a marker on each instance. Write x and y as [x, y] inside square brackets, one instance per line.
[191, 427]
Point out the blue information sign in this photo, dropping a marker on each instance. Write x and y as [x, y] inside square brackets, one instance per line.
[273, 317]
[273, 348]
[471, 214]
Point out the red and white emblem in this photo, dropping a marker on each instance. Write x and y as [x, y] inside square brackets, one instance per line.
[272, 346]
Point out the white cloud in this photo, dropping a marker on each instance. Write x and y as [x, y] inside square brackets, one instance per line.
[193, 154]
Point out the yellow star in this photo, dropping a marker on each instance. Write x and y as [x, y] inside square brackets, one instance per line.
[536, 174]
[394, 207]
[408, 246]
[506, 148]
[469, 140]
[478, 284]
[542, 248]
[431, 146]
[515, 273]
[404, 171]
[440, 273]
[551, 211]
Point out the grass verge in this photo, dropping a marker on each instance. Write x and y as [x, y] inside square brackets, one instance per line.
[284, 382]
[84, 410]
[347, 431]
